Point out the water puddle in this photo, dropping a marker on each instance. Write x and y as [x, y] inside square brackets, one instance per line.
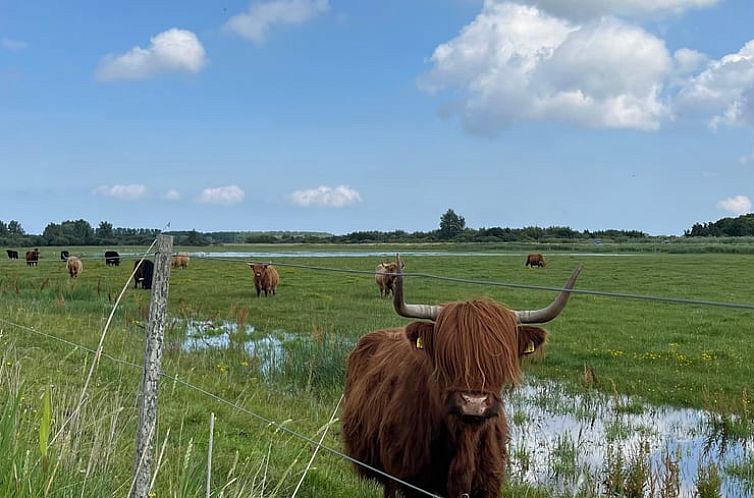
[576, 444]
[277, 354]
[202, 335]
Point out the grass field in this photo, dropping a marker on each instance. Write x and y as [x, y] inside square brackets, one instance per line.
[678, 354]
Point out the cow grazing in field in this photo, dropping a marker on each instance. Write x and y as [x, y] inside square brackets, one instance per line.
[385, 278]
[535, 259]
[112, 258]
[64, 255]
[180, 260]
[32, 257]
[423, 402]
[266, 278]
[144, 274]
[74, 266]
[12, 254]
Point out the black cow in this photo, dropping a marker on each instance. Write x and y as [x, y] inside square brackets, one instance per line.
[143, 274]
[12, 254]
[64, 255]
[112, 258]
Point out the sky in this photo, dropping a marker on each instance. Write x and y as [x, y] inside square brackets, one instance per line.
[339, 116]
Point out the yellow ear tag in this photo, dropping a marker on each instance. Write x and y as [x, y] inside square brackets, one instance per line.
[419, 343]
[529, 348]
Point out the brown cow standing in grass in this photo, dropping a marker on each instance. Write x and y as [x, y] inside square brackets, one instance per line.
[423, 402]
[32, 257]
[74, 266]
[385, 281]
[266, 278]
[180, 260]
[535, 259]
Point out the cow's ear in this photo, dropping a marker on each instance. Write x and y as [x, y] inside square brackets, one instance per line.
[530, 339]
[419, 334]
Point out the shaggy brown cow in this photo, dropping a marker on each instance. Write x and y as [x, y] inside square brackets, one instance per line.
[535, 259]
[266, 278]
[384, 279]
[74, 265]
[32, 257]
[180, 260]
[423, 402]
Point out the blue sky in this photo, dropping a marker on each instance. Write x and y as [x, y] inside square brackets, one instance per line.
[339, 116]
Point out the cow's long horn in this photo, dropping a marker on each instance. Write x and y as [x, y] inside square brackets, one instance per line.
[422, 311]
[550, 312]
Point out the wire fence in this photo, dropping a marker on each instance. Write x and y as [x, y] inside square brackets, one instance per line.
[370, 273]
[470, 281]
[220, 399]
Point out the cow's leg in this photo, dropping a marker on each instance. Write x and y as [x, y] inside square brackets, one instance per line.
[389, 490]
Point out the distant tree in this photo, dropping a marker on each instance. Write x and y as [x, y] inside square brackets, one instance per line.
[194, 238]
[451, 225]
[15, 228]
[3, 228]
[105, 230]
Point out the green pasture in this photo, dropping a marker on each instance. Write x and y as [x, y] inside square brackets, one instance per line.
[684, 355]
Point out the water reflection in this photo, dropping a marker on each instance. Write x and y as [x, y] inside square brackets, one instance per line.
[572, 443]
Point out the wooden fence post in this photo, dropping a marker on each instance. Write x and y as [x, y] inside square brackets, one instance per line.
[152, 368]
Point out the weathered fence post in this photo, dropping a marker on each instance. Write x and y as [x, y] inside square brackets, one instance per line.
[152, 368]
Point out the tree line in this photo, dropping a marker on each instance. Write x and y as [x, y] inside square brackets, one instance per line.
[452, 227]
[725, 227]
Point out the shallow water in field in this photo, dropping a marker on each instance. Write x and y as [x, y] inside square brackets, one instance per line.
[569, 442]
[214, 334]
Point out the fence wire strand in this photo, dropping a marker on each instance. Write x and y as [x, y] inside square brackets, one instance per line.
[226, 402]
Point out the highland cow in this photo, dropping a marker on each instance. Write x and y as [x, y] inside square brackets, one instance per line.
[423, 402]
[535, 259]
[74, 266]
[384, 276]
[266, 278]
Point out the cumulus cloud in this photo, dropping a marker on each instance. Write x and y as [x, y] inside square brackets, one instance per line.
[262, 16]
[122, 192]
[516, 62]
[11, 44]
[226, 196]
[339, 196]
[739, 204]
[174, 50]
[581, 9]
[724, 89]
[172, 195]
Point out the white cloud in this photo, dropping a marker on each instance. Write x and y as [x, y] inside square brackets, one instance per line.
[724, 89]
[227, 195]
[172, 195]
[739, 204]
[582, 9]
[516, 63]
[174, 50]
[261, 16]
[122, 192]
[11, 44]
[339, 196]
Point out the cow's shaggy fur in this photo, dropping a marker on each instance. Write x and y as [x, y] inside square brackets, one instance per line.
[535, 259]
[383, 276]
[399, 414]
[180, 261]
[75, 266]
[266, 278]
